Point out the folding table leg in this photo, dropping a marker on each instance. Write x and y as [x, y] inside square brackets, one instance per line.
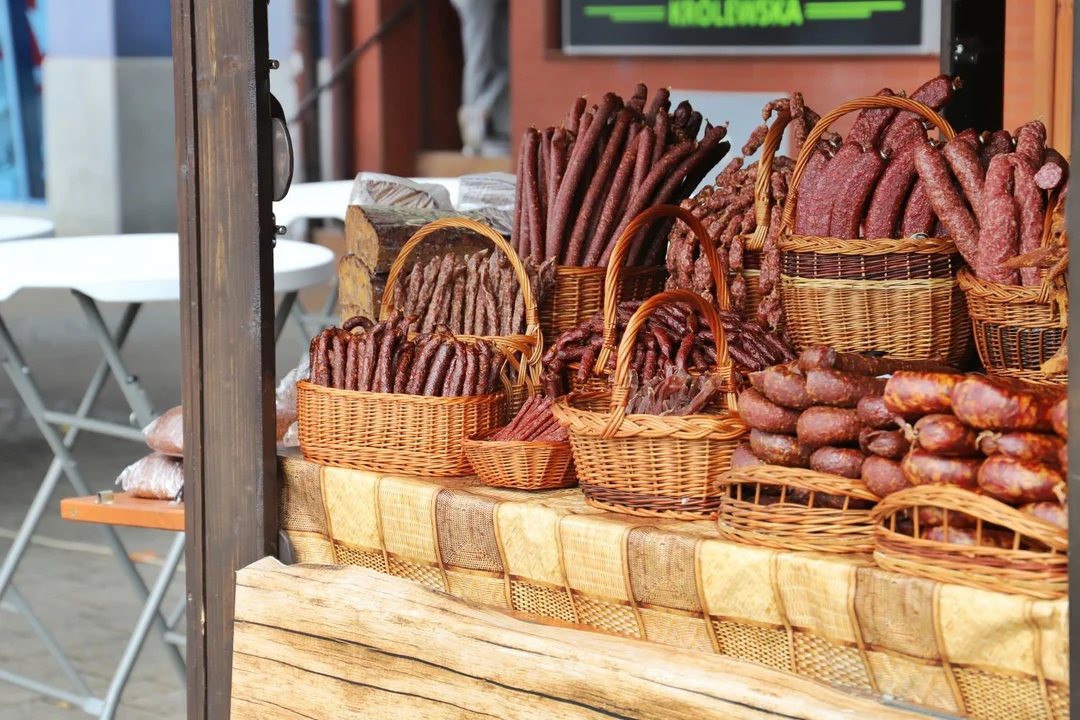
[31, 396]
[20, 607]
[150, 613]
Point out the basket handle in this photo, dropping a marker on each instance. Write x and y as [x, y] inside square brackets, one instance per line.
[620, 391]
[532, 316]
[787, 220]
[613, 276]
[986, 509]
[762, 185]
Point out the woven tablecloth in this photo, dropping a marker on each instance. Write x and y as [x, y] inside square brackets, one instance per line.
[837, 619]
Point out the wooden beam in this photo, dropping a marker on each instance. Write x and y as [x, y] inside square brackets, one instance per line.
[343, 642]
[222, 86]
[1073, 221]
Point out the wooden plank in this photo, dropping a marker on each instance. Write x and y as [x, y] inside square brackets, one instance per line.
[375, 234]
[1073, 221]
[125, 510]
[342, 642]
[1061, 135]
[1043, 63]
[221, 81]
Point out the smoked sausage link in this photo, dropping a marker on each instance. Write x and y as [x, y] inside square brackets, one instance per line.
[882, 476]
[776, 449]
[994, 403]
[786, 387]
[1040, 447]
[845, 462]
[873, 413]
[944, 434]
[744, 457]
[1018, 482]
[891, 444]
[1059, 418]
[920, 393]
[839, 388]
[820, 426]
[756, 410]
[923, 468]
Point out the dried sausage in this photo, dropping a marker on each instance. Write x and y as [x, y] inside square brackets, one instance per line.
[873, 413]
[923, 468]
[352, 361]
[757, 412]
[823, 357]
[439, 367]
[839, 388]
[994, 403]
[1054, 170]
[882, 476]
[337, 361]
[786, 387]
[850, 201]
[944, 434]
[963, 158]
[999, 234]
[920, 393]
[872, 122]
[472, 368]
[1059, 418]
[919, 216]
[891, 444]
[745, 457]
[1018, 482]
[383, 381]
[821, 426]
[946, 201]
[845, 462]
[425, 352]
[775, 449]
[404, 365]
[1031, 142]
[884, 212]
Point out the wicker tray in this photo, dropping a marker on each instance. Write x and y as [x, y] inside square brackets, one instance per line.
[897, 296]
[522, 465]
[749, 516]
[650, 465]
[1040, 573]
[387, 432]
[527, 346]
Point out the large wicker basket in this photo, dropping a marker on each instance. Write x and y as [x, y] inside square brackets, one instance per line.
[651, 465]
[796, 509]
[579, 294]
[523, 351]
[599, 378]
[396, 433]
[895, 296]
[1036, 564]
[1018, 328]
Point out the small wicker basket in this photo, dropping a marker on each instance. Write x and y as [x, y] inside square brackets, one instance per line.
[1036, 562]
[652, 465]
[1019, 328]
[407, 434]
[522, 465]
[759, 509]
[896, 296]
[599, 379]
[527, 346]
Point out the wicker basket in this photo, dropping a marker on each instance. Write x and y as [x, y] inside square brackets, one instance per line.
[599, 379]
[896, 296]
[758, 510]
[385, 432]
[1040, 573]
[528, 346]
[651, 465]
[522, 465]
[1019, 328]
[579, 294]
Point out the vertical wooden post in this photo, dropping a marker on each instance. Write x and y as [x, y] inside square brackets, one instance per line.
[221, 71]
[1072, 219]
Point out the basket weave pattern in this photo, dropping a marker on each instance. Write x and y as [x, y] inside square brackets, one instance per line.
[785, 525]
[390, 432]
[650, 465]
[579, 294]
[522, 465]
[896, 296]
[1037, 573]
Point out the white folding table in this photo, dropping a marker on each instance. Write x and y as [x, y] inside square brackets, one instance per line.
[130, 269]
[24, 228]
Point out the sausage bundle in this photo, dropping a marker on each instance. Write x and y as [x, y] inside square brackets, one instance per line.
[991, 193]
[535, 423]
[369, 357]
[475, 295]
[579, 185]
[993, 436]
[726, 209]
[674, 337]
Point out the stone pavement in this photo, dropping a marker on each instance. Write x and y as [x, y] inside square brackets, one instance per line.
[68, 575]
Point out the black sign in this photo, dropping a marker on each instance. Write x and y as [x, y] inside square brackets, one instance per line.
[717, 27]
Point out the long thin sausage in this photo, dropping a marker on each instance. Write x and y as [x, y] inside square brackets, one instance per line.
[946, 201]
[999, 235]
[847, 211]
[619, 188]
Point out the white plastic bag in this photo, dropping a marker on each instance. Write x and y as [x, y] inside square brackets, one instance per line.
[379, 189]
[491, 194]
[156, 477]
[287, 433]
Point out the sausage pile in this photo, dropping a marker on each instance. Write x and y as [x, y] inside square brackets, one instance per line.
[726, 209]
[674, 337]
[475, 295]
[815, 413]
[675, 394]
[579, 185]
[867, 186]
[990, 192]
[1001, 438]
[534, 422]
[368, 357]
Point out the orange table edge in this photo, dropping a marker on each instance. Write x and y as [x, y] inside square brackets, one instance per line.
[125, 510]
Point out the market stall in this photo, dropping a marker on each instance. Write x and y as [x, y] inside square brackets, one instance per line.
[811, 417]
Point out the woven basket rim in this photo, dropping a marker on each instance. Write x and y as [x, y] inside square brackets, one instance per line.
[998, 293]
[726, 426]
[308, 386]
[813, 244]
[482, 441]
[800, 478]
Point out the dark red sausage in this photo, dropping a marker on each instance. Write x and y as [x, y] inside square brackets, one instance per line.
[845, 462]
[820, 426]
[923, 468]
[1039, 447]
[882, 476]
[1018, 482]
[776, 449]
[757, 412]
[944, 434]
[920, 393]
[994, 403]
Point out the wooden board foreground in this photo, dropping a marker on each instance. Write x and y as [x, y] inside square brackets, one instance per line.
[342, 642]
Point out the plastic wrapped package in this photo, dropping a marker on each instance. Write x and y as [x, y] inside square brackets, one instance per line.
[379, 189]
[166, 433]
[287, 433]
[156, 477]
[493, 195]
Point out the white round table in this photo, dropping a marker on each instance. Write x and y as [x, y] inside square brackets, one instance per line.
[136, 268]
[24, 228]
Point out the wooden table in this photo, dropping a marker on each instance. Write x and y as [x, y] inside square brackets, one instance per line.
[126, 510]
